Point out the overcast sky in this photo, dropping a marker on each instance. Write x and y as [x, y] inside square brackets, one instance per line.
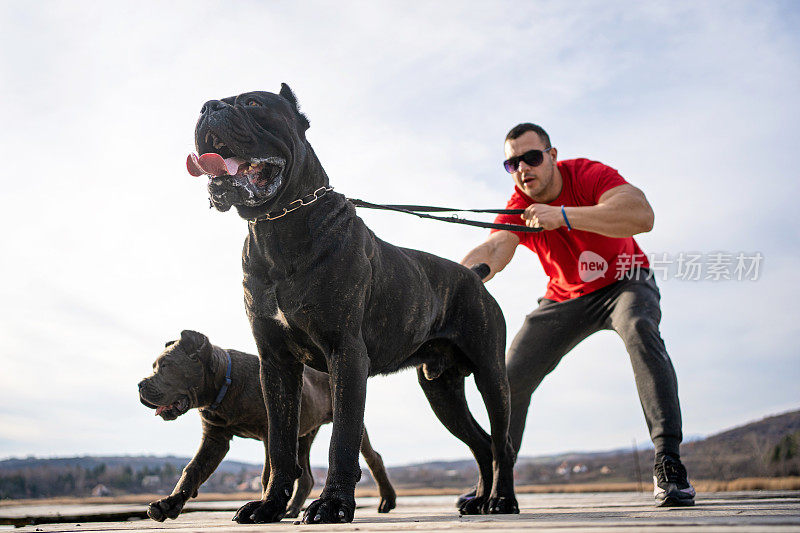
[109, 248]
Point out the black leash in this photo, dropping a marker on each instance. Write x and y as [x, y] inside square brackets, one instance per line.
[420, 210]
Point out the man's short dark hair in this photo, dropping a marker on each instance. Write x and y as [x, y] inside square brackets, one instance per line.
[519, 129]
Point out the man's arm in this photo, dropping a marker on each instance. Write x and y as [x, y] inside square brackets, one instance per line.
[620, 212]
[496, 252]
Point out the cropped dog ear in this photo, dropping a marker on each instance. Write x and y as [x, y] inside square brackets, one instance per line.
[194, 343]
[287, 93]
[289, 96]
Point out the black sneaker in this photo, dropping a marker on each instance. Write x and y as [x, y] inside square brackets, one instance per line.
[671, 488]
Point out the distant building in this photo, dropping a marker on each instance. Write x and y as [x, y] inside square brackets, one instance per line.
[253, 484]
[101, 490]
[151, 481]
[579, 469]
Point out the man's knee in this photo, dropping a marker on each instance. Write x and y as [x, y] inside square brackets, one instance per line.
[526, 371]
[640, 330]
[522, 382]
[520, 387]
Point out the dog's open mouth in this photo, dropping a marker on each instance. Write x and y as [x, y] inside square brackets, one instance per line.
[234, 180]
[171, 411]
[258, 171]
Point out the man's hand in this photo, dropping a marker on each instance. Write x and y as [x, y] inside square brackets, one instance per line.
[543, 216]
[495, 253]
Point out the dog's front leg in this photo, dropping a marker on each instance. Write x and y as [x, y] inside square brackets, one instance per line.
[281, 383]
[348, 367]
[213, 449]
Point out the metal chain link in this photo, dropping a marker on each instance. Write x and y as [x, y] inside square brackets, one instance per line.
[300, 202]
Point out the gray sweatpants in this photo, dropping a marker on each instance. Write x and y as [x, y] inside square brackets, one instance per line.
[631, 308]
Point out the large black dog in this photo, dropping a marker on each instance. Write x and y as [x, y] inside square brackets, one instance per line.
[322, 290]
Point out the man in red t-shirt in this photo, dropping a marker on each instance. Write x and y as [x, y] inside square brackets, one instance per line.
[599, 279]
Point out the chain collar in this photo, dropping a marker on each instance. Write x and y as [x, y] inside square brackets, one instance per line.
[297, 204]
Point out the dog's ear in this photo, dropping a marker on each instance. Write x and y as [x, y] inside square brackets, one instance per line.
[288, 95]
[194, 343]
[169, 343]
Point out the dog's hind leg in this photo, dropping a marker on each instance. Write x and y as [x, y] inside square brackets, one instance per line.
[375, 464]
[493, 385]
[306, 480]
[484, 347]
[446, 395]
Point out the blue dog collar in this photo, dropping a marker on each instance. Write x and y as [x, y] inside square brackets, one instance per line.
[225, 385]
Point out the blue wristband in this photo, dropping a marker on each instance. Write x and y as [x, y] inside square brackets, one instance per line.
[564, 213]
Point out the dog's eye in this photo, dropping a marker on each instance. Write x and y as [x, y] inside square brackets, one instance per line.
[253, 102]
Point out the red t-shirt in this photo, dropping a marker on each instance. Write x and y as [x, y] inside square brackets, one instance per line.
[578, 262]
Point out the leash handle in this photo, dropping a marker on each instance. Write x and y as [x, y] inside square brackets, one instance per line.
[420, 211]
[481, 269]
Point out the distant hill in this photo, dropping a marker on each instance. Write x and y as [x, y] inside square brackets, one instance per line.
[136, 462]
[765, 448]
[768, 447]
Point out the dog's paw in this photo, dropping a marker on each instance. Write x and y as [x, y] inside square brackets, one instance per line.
[292, 512]
[387, 504]
[169, 507]
[473, 505]
[330, 510]
[260, 512]
[465, 498]
[501, 505]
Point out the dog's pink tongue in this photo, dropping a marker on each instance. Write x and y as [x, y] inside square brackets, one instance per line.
[193, 166]
[160, 409]
[212, 164]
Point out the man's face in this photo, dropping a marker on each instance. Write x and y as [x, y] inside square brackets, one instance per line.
[540, 183]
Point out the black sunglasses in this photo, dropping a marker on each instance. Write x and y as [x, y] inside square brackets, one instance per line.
[533, 158]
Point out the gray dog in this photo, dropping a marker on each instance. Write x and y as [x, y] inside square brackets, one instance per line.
[322, 290]
[224, 385]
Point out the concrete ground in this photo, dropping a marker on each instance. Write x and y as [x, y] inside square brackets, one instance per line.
[752, 511]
